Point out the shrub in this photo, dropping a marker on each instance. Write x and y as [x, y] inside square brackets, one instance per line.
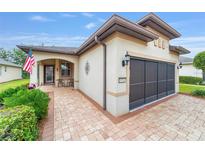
[18, 124]
[9, 92]
[190, 80]
[200, 93]
[35, 98]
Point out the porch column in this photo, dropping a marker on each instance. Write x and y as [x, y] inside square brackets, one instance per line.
[76, 79]
[57, 71]
[41, 73]
[34, 75]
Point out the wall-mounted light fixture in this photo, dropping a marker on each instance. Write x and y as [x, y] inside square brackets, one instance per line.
[126, 59]
[179, 66]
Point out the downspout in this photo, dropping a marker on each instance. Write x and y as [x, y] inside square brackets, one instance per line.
[104, 70]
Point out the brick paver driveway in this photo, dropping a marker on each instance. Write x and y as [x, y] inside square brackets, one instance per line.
[76, 118]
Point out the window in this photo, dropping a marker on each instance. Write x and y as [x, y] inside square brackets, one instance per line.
[0, 70]
[65, 69]
[5, 69]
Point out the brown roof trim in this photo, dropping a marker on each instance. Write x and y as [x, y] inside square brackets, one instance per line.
[179, 49]
[117, 23]
[50, 49]
[158, 24]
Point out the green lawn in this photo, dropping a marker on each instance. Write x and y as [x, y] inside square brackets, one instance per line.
[13, 84]
[188, 88]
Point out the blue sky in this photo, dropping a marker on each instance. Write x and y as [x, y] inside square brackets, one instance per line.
[71, 29]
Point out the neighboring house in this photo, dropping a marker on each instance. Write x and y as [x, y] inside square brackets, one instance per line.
[9, 71]
[188, 69]
[122, 66]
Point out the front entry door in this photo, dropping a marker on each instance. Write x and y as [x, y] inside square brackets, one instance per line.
[49, 74]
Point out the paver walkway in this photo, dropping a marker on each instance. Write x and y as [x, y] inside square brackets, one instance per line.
[76, 118]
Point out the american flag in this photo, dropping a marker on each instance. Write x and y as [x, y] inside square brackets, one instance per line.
[30, 61]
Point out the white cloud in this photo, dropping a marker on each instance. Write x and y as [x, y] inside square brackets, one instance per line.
[195, 44]
[41, 18]
[68, 15]
[89, 15]
[90, 25]
[10, 41]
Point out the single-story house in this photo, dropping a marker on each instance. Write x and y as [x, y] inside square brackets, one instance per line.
[188, 69]
[123, 66]
[9, 71]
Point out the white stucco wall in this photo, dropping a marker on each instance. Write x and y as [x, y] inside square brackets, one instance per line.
[11, 73]
[190, 70]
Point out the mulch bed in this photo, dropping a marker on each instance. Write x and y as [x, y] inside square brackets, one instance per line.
[46, 125]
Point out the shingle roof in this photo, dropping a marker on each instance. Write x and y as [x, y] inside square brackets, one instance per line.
[185, 60]
[7, 63]
[53, 49]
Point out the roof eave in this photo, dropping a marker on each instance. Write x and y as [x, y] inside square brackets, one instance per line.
[179, 49]
[27, 48]
[116, 20]
[161, 25]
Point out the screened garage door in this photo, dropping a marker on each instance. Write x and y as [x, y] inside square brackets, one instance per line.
[149, 81]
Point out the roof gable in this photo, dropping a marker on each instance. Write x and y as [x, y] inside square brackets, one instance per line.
[158, 24]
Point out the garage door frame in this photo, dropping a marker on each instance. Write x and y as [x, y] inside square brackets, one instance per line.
[134, 105]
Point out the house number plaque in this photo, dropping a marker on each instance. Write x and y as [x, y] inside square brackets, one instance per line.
[122, 80]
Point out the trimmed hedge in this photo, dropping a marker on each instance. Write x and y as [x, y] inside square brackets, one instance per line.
[35, 98]
[200, 93]
[190, 80]
[18, 124]
[9, 92]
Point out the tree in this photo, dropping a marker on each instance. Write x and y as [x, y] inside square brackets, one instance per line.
[15, 56]
[5, 54]
[18, 57]
[199, 63]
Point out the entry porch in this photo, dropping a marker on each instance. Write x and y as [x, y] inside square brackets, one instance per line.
[56, 72]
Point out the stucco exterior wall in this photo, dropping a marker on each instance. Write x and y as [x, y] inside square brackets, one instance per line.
[118, 93]
[190, 70]
[11, 73]
[92, 83]
[39, 56]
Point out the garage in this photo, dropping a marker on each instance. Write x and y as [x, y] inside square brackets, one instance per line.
[149, 81]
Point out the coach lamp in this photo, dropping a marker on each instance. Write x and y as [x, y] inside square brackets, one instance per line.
[179, 66]
[126, 59]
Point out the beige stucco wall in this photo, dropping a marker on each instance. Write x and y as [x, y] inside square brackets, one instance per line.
[92, 83]
[11, 73]
[39, 56]
[190, 70]
[118, 93]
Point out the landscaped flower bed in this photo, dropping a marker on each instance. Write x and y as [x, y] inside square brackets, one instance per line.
[34, 101]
